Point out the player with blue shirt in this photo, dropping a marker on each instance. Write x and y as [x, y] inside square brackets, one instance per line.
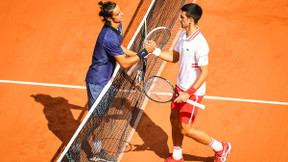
[107, 52]
[108, 49]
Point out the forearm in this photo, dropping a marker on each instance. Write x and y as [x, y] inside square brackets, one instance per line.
[128, 52]
[169, 56]
[126, 62]
[199, 81]
[129, 61]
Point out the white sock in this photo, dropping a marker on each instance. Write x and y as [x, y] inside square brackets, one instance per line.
[215, 145]
[177, 152]
[96, 146]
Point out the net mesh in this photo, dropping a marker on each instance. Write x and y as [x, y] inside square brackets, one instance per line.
[119, 110]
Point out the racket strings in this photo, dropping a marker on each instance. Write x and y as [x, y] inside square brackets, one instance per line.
[160, 36]
[158, 89]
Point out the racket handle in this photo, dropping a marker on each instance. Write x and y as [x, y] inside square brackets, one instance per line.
[129, 73]
[196, 104]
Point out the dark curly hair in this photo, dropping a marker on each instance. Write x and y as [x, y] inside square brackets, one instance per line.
[106, 11]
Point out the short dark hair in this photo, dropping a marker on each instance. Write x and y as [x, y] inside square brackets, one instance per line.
[192, 11]
[106, 11]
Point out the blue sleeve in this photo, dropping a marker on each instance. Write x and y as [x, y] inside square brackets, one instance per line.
[113, 45]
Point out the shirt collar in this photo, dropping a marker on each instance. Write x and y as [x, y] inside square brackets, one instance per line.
[192, 36]
[115, 30]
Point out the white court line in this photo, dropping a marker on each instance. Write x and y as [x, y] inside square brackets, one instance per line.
[52, 85]
[43, 84]
[245, 100]
[84, 87]
[232, 99]
[162, 93]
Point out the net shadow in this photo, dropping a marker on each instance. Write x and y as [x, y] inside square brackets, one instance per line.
[61, 122]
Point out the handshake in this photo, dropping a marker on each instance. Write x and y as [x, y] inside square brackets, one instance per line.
[149, 47]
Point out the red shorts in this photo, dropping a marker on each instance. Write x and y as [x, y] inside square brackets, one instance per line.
[187, 112]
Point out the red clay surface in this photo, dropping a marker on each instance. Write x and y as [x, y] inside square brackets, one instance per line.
[52, 42]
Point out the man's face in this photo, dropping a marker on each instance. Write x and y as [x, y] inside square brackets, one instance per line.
[185, 21]
[117, 15]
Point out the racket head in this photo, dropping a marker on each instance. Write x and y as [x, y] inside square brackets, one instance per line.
[159, 89]
[159, 35]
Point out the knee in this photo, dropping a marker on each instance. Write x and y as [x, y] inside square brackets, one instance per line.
[184, 131]
[187, 131]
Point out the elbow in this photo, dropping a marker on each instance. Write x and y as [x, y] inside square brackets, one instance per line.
[173, 61]
[204, 71]
[125, 66]
[205, 74]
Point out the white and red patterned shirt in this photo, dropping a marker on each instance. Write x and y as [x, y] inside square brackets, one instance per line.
[193, 53]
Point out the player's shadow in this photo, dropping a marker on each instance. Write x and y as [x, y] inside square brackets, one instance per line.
[61, 122]
[121, 110]
[153, 136]
[155, 139]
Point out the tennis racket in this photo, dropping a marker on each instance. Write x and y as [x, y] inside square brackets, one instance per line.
[160, 36]
[160, 90]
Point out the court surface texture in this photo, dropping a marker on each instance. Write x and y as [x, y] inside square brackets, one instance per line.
[51, 43]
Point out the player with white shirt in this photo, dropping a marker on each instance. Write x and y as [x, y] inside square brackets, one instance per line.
[191, 52]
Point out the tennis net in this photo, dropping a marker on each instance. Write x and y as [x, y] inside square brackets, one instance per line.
[116, 113]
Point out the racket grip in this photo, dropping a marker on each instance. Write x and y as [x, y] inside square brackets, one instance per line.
[130, 71]
[196, 104]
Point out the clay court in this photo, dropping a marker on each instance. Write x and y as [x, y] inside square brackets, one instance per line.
[51, 43]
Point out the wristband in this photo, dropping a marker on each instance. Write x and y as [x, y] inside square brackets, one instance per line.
[142, 53]
[191, 91]
[156, 52]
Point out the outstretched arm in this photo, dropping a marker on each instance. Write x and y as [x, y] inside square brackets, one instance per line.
[169, 56]
[126, 62]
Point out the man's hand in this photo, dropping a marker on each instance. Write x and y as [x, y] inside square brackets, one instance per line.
[150, 46]
[182, 97]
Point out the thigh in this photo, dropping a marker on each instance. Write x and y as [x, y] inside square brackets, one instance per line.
[106, 101]
[93, 91]
[187, 112]
[174, 116]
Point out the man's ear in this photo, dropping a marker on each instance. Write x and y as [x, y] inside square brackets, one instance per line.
[110, 19]
[191, 21]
